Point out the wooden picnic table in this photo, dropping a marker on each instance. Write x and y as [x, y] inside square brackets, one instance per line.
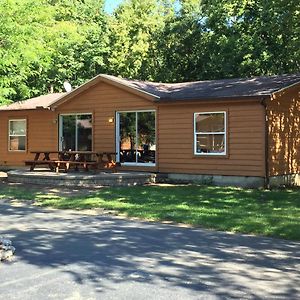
[38, 160]
[68, 159]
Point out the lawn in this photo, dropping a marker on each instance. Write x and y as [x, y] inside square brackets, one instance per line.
[271, 213]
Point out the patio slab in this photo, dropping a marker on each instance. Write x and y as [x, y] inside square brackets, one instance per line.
[83, 179]
[83, 255]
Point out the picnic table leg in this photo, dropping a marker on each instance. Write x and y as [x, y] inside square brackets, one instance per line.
[47, 157]
[101, 162]
[67, 168]
[72, 158]
[51, 166]
[36, 158]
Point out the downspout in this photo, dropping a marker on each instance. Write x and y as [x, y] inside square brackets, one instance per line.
[266, 130]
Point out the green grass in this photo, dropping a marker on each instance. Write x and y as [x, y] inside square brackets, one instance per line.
[271, 213]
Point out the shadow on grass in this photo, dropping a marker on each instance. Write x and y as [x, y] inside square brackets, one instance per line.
[271, 213]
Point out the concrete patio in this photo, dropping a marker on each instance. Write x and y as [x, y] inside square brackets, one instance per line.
[80, 178]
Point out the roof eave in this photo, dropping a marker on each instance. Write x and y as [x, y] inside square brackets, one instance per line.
[210, 99]
[21, 109]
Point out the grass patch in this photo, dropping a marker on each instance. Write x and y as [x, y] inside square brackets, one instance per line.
[270, 213]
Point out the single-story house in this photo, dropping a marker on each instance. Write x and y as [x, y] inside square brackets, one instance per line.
[233, 131]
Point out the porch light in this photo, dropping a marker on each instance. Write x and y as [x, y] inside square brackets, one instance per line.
[111, 120]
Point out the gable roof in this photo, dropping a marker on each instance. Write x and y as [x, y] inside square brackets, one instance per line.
[198, 90]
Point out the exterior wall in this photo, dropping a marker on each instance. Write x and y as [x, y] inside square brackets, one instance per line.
[103, 101]
[41, 134]
[245, 140]
[283, 111]
[175, 132]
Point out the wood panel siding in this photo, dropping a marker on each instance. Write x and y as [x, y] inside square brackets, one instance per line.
[104, 100]
[245, 140]
[41, 134]
[283, 111]
[175, 131]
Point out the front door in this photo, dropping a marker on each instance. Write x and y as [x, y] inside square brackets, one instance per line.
[75, 132]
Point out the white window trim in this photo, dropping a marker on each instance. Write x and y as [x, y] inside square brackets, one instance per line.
[209, 133]
[10, 135]
[118, 139]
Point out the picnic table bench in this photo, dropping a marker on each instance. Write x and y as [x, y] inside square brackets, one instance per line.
[68, 159]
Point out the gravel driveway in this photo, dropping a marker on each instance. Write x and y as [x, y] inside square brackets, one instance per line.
[80, 255]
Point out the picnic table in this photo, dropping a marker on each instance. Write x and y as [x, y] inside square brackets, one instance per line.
[67, 159]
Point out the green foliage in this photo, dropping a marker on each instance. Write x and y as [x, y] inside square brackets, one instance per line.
[45, 42]
[134, 36]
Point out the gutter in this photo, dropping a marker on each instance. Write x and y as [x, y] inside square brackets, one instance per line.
[266, 125]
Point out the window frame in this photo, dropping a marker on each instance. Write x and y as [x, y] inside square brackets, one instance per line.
[60, 127]
[9, 135]
[224, 153]
[117, 132]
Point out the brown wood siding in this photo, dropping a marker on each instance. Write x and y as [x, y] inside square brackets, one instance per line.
[283, 111]
[104, 100]
[245, 140]
[175, 131]
[41, 134]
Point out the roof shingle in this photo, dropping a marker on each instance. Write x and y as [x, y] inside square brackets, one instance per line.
[197, 90]
[42, 101]
[213, 89]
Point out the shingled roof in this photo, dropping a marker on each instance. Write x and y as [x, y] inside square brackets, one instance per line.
[34, 103]
[213, 89]
[197, 90]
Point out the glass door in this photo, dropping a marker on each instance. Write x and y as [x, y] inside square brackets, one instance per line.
[136, 137]
[75, 132]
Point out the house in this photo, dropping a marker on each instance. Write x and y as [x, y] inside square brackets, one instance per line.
[236, 131]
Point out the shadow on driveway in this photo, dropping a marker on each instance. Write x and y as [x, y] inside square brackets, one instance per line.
[102, 252]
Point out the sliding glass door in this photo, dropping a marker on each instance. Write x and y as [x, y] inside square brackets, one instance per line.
[136, 137]
[75, 132]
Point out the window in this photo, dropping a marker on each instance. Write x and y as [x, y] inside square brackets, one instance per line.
[17, 135]
[136, 138]
[76, 132]
[210, 133]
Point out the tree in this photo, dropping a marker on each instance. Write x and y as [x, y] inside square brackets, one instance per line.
[45, 42]
[23, 52]
[134, 30]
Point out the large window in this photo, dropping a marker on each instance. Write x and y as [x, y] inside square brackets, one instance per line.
[136, 138]
[17, 135]
[76, 132]
[210, 133]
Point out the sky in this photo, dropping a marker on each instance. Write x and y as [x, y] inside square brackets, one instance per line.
[110, 5]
